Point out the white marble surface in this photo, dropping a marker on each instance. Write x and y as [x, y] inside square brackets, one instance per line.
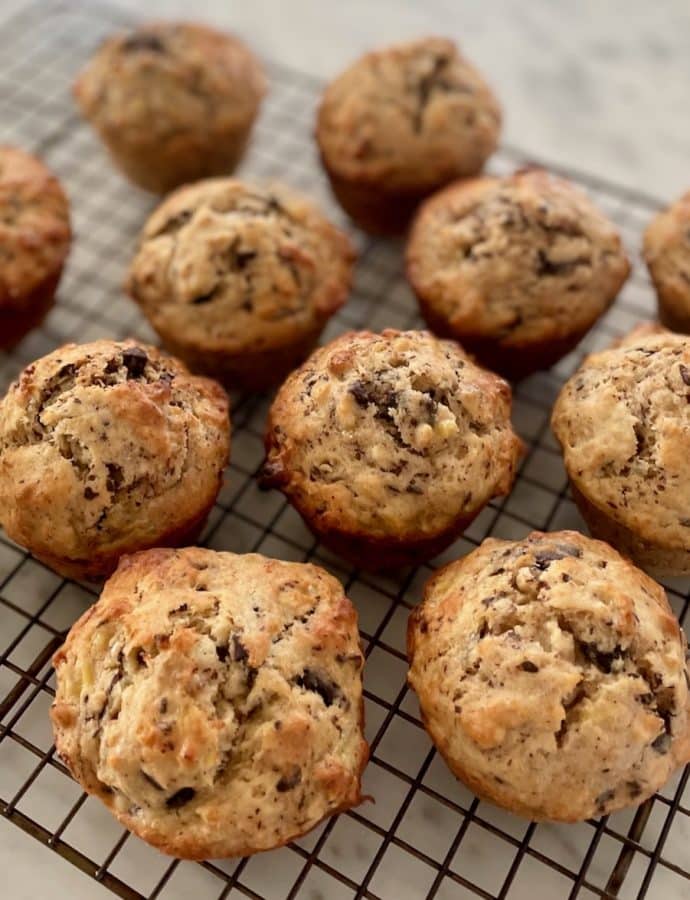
[603, 86]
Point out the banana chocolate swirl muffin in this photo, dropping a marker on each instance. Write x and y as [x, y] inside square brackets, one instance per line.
[623, 422]
[667, 254]
[107, 448]
[213, 702]
[239, 280]
[401, 122]
[390, 444]
[551, 676]
[517, 269]
[35, 238]
[172, 101]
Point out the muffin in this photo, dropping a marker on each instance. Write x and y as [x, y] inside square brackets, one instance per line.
[172, 101]
[240, 280]
[517, 269]
[551, 676]
[213, 702]
[107, 448]
[667, 254]
[623, 422]
[389, 445]
[35, 238]
[401, 122]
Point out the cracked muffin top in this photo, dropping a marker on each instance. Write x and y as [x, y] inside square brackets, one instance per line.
[551, 675]
[165, 78]
[228, 266]
[623, 422]
[667, 253]
[408, 116]
[522, 259]
[392, 434]
[35, 230]
[214, 702]
[108, 447]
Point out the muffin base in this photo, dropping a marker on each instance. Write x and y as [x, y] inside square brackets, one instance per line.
[102, 565]
[512, 362]
[159, 168]
[254, 370]
[15, 322]
[672, 320]
[373, 209]
[656, 559]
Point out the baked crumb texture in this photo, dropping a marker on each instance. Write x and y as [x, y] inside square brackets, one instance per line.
[239, 280]
[390, 444]
[107, 448]
[667, 254]
[172, 101]
[401, 122]
[551, 675]
[623, 422]
[517, 269]
[35, 238]
[213, 702]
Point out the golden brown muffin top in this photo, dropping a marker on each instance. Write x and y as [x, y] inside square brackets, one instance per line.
[214, 702]
[107, 446]
[551, 674]
[519, 259]
[408, 116]
[35, 230]
[391, 435]
[623, 421]
[667, 254]
[230, 266]
[169, 77]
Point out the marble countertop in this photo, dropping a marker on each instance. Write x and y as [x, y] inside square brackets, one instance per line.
[599, 86]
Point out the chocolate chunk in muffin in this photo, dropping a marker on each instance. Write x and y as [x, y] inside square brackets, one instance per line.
[623, 422]
[200, 751]
[107, 448]
[390, 444]
[517, 269]
[401, 122]
[239, 280]
[173, 102]
[35, 238]
[564, 698]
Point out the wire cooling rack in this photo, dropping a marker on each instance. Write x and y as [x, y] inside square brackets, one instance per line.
[426, 835]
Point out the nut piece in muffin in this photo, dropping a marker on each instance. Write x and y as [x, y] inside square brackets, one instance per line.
[240, 280]
[213, 701]
[667, 254]
[401, 122]
[35, 238]
[551, 676]
[172, 101]
[517, 269]
[107, 448]
[390, 444]
[623, 422]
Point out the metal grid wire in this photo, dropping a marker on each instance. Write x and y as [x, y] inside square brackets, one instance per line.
[426, 835]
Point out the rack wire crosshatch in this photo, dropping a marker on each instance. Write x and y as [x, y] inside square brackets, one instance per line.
[425, 836]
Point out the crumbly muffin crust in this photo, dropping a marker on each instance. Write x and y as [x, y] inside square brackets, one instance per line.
[173, 101]
[623, 422]
[214, 702]
[551, 676]
[408, 116]
[667, 254]
[35, 238]
[512, 267]
[229, 273]
[393, 439]
[107, 448]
